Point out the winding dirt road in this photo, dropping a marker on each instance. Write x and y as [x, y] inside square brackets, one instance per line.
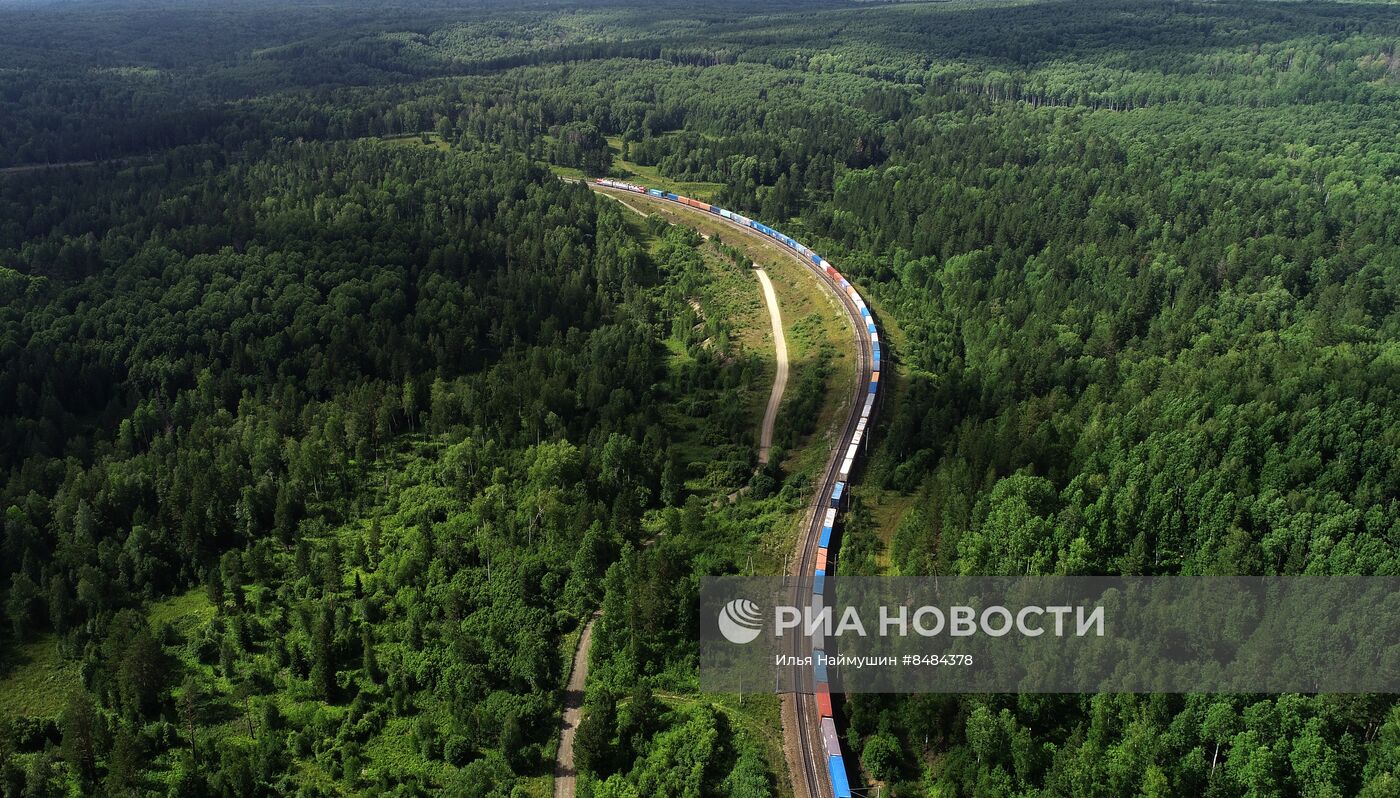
[565, 773]
[770, 415]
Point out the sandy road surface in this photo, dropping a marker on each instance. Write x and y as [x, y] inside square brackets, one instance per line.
[765, 436]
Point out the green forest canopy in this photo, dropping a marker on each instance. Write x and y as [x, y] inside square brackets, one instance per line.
[395, 412]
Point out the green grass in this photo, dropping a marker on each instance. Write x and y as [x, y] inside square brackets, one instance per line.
[38, 683]
[184, 613]
[755, 717]
[626, 170]
[652, 177]
[435, 141]
[535, 787]
[38, 680]
[812, 318]
[887, 508]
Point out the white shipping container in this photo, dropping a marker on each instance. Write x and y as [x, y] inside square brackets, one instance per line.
[829, 738]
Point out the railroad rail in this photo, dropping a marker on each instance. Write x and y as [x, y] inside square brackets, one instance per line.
[824, 765]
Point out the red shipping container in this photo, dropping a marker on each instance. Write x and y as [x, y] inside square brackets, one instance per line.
[823, 702]
[821, 558]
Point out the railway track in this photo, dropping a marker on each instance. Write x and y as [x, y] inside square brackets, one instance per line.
[818, 777]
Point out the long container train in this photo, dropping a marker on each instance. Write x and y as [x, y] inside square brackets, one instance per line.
[836, 763]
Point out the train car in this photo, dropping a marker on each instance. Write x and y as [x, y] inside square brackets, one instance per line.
[827, 524]
[840, 787]
[836, 764]
[830, 741]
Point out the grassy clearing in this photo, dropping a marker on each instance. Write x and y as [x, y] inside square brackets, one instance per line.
[39, 680]
[426, 139]
[652, 177]
[732, 295]
[755, 717]
[887, 508]
[812, 319]
[184, 613]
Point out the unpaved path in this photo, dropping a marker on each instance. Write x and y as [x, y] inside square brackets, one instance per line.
[565, 775]
[770, 416]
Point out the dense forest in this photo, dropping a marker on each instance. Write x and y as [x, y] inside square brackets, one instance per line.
[329, 412]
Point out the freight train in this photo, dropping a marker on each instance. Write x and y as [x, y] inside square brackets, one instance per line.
[835, 760]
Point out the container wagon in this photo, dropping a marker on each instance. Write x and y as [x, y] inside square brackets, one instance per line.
[831, 743]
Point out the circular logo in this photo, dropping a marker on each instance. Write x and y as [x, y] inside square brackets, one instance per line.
[739, 621]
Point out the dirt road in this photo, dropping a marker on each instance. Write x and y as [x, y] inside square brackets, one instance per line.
[765, 436]
[565, 775]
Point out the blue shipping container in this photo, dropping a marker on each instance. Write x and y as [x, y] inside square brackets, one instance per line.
[836, 495]
[873, 386]
[840, 786]
[819, 665]
[819, 582]
[654, 192]
[817, 259]
[671, 196]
